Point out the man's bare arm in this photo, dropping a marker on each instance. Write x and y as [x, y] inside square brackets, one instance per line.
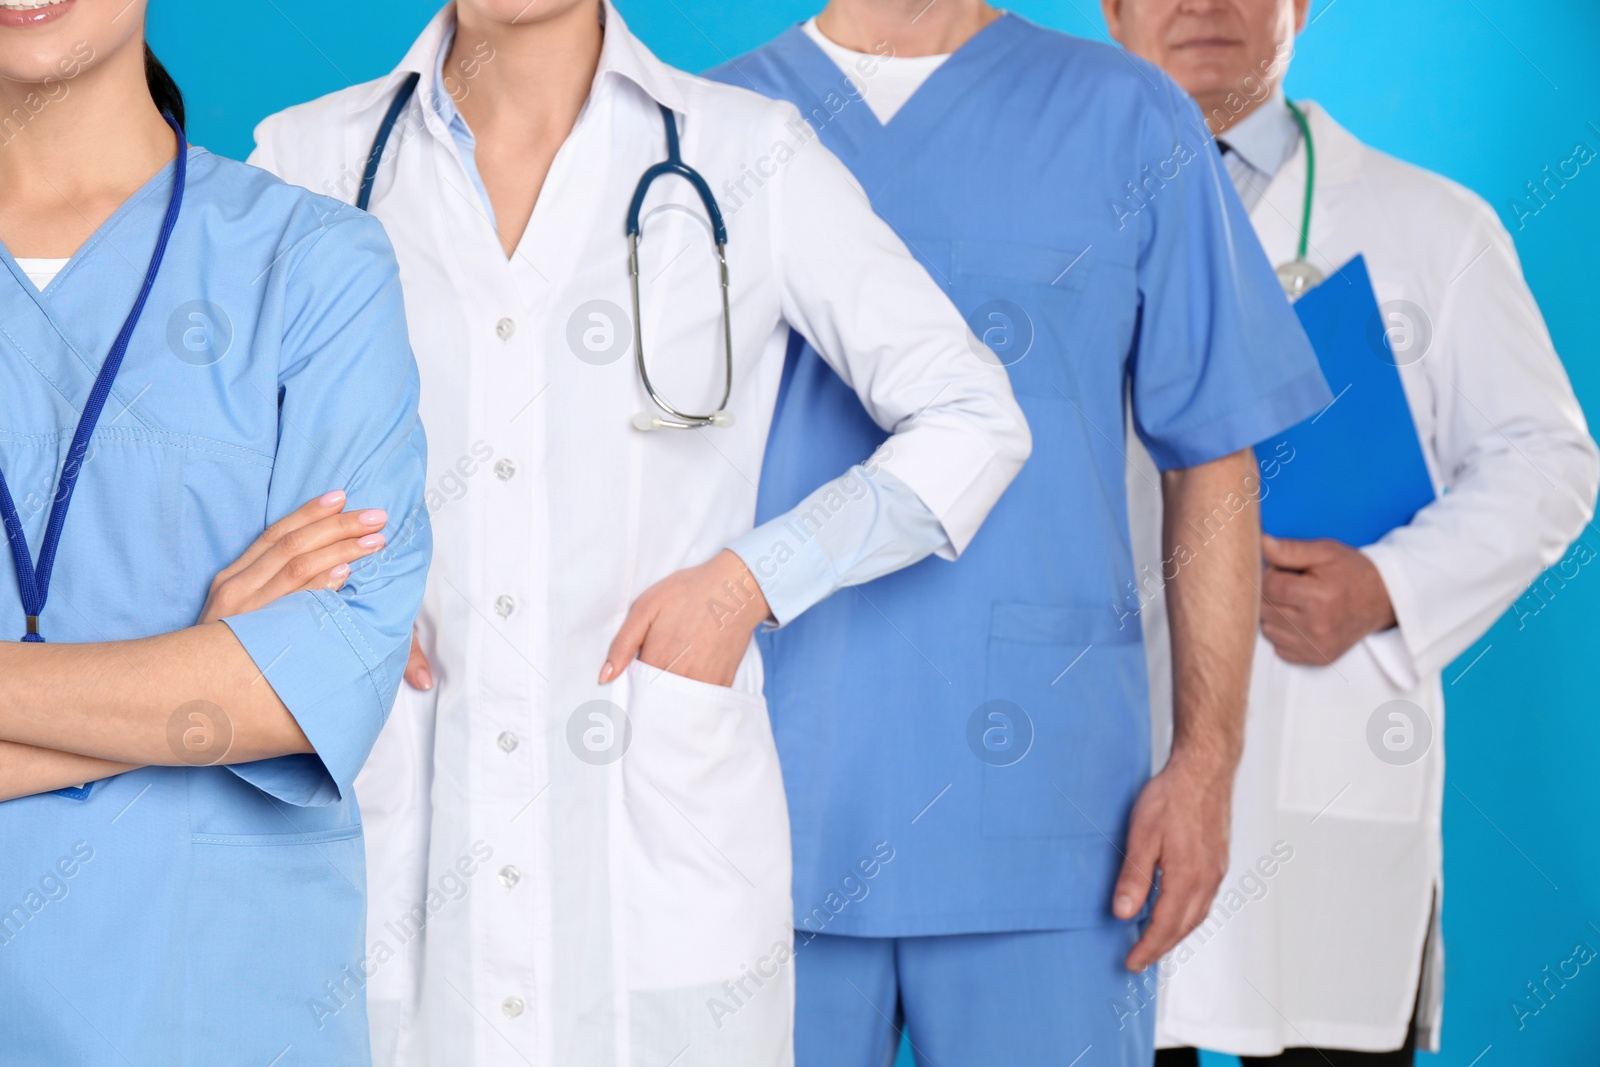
[119, 701]
[1211, 533]
[1213, 606]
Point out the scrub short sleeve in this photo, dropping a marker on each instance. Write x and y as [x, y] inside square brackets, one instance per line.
[348, 392]
[1220, 362]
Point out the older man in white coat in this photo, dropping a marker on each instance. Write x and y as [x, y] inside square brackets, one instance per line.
[1324, 945]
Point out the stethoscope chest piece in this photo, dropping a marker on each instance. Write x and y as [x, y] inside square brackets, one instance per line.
[1299, 277]
[647, 421]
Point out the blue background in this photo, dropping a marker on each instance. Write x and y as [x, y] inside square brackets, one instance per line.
[1485, 91]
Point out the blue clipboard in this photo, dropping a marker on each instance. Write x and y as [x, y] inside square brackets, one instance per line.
[1355, 470]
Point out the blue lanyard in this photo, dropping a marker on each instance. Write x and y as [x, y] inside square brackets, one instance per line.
[34, 582]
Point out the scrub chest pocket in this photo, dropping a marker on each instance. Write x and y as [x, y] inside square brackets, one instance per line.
[1038, 310]
[1063, 754]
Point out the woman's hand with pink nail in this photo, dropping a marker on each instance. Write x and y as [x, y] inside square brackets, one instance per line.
[310, 549]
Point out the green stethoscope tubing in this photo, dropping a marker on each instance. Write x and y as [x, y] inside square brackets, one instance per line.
[1311, 177]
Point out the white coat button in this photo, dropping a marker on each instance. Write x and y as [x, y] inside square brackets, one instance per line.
[505, 470]
[507, 741]
[504, 329]
[504, 606]
[512, 1006]
[509, 876]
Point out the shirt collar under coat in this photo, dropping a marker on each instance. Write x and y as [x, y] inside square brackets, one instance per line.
[622, 55]
[1266, 137]
[1277, 216]
[1338, 153]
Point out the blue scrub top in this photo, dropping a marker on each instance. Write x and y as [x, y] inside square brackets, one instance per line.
[210, 915]
[989, 720]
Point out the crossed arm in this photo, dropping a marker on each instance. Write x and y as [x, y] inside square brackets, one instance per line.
[74, 713]
[78, 713]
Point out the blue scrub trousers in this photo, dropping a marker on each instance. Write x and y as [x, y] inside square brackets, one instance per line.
[1024, 999]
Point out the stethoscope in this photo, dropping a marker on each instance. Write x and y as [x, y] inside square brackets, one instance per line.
[1298, 276]
[667, 416]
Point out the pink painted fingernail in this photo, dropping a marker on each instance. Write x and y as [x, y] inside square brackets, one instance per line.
[339, 573]
[375, 517]
[333, 499]
[371, 541]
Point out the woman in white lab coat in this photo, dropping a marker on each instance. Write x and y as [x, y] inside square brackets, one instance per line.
[570, 871]
[1327, 924]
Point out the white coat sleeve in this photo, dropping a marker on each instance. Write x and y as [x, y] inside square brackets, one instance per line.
[265, 154]
[307, 146]
[850, 287]
[1514, 455]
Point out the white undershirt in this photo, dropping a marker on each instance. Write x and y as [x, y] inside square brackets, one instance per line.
[886, 82]
[41, 272]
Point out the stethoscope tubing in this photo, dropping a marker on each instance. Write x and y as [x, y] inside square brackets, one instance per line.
[672, 165]
[1311, 176]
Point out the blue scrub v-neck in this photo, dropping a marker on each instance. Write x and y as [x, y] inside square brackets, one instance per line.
[43, 300]
[854, 134]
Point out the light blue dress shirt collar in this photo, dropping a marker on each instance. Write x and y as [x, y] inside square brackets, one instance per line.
[1258, 146]
[466, 145]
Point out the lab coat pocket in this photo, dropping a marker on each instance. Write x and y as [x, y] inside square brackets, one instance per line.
[1354, 746]
[1063, 733]
[704, 852]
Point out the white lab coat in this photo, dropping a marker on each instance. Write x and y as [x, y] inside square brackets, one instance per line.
[1318, 932]
[576, 912]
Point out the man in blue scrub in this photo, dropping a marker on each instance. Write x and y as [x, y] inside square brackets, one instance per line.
[966, 747]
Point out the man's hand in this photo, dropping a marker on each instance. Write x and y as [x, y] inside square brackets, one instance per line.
[696, 623]
[1180, 825]
[1319, 598]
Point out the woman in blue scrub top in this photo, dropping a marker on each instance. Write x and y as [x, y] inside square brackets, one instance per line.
[189, 348]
